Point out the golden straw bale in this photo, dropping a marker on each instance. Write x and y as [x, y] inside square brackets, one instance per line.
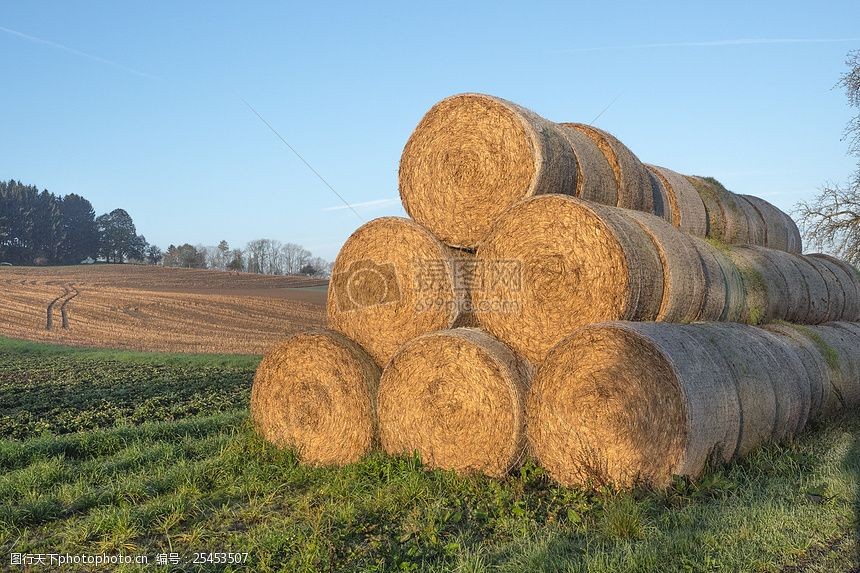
[595, 179]
[315, 392]
[393, 281]
[685, 206]
[554, 263]
[457, 397]
[631, 177]
[623, 403]
[471, 157]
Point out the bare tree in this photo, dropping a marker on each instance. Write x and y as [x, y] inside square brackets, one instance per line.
[831, 221]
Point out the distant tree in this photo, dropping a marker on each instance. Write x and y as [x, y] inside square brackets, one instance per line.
[118, 238]
[186, 256]
[154, 255]
[80, 235]
[295, 257]
[237, 261]
[30, 224]
[831, 221]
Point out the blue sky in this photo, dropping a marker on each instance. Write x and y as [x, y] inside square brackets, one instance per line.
[139, 104]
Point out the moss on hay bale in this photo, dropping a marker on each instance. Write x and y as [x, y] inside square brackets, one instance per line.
[393, 281]
[768, 296]
[631, 177]
[457, 398]
[684, 281]
[595, 180]
[315, 392]
[727, 221]
[560, 263]
[823, 399]
[623, 403]
[471, 157]
[840, 347]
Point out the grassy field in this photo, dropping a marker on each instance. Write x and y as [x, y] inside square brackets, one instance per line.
[118, 452]
[160, 309]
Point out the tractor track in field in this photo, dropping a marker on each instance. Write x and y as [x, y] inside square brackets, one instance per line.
[69, 292]
[64, 308]
[49, 323]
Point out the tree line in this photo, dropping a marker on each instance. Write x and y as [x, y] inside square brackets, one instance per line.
[41, 228]
[262, 256]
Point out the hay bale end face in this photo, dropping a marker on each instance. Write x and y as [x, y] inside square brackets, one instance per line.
[623, 403]
[393, 281]
[315, 392]
[471, 157]
[554, 263]
[456, 397]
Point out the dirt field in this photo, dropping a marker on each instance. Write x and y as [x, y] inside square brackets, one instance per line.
[154, 308]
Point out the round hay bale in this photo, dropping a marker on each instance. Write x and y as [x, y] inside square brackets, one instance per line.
[715, 303]
[839, 347]
[457, 397]
[662, 208]
[471, 157]
[849, 281]
[735, 294]
[315, 392]
[685, 206]
[792, 387]
[683, 275]
[781, 231]
[823, 399]
[797, 278]
[727, 222]
[631, 177]
[595, 180]
[768, 297]
[756, 224]
[752, 368]
[835, 294]
[817, 290]
[554, 263]
[393, 281]
[624, 403]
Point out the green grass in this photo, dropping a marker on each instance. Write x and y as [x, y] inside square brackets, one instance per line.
[187, 473]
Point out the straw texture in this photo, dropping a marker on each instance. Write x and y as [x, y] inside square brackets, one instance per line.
[634, 186]
[849, 283]
[315, 392]
[781, 231]
[457, 397]
[685, 208]
[393, 281]
[576, 263]
[595, 180]
[471, 157]
[684, 281]
[623, 403]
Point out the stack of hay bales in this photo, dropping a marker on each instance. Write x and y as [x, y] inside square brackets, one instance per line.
[554, 297]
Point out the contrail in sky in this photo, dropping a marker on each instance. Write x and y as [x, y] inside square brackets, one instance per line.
[717, 43]
[119, 66]
[92, 57]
